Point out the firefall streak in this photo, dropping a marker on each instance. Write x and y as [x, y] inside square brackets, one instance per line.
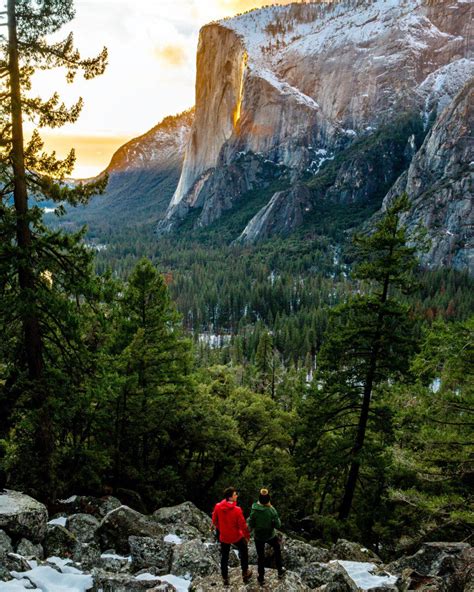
[238, 106]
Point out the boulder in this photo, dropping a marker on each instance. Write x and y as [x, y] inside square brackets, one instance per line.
[22, 516]
[431, 559]
[411, 580]
[109, 582]
[440, 567]
[213, 583]
[326, 574]
[87, 554]
[296, 554]
[110, 561]
[349, 551]
[184, 531]
[59, 542]
[87, 504]
[15, 562]
[123, 522]
[27, 549]
[194, 558]
[185, 514]
[366, 575]
[83, 526]
[150, 552]
[5, 575]
[131, 498]
[5, 544]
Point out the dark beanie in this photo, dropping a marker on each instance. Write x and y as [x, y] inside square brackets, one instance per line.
[264, 496]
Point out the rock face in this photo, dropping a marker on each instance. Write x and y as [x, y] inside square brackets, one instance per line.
[160, 561]
[22, 516]
[123, 522]
[298, 84]
[440, 184]
[150, 552]
[84, 504]
[185, 514]
[83, 526]
[143, 175]
[195, 557]
[284, 212]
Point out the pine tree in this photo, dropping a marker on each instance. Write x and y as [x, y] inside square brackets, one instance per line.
[370, 339]
[265, 363]
[435, 421]
[154, 363]
[38, 266]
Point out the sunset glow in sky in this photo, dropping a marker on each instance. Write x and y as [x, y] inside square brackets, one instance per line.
[151, 72]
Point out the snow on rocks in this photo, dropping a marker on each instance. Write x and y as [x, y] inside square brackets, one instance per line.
[50, 579]
[59, 521]
[86, 504]
[165, 562]
[441, 86]
[364, 578]
[22, 516]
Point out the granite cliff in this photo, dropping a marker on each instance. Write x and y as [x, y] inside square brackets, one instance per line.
[143, 175]
[299, 87]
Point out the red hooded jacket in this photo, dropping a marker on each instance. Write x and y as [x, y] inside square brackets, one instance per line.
[229, 520]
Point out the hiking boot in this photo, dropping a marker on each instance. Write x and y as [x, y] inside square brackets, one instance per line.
[261, 580]
[226, 581]
[282, 573]
[247, 575]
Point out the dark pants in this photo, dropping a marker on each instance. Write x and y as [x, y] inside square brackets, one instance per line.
[243, 555]
[260, 546]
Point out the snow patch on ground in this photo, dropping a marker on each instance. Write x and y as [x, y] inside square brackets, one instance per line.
[49, 580]
[60, 521]
[361, 574]
[173, 538]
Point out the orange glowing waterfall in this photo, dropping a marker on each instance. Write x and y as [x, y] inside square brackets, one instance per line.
[238, 106]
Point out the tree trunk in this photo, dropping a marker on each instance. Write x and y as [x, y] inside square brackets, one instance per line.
[33, 343]
[31, 326]
[364, 414]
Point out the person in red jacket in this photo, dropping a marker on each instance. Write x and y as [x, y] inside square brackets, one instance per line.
[232, 529]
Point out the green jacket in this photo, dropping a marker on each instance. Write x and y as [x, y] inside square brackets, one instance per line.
[262, 522]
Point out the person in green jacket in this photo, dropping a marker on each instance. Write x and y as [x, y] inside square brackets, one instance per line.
[263, 521]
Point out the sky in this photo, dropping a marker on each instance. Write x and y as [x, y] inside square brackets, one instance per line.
[151, 72]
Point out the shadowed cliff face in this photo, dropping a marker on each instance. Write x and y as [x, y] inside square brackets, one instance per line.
[440, 183]
[289, 83]
[143, 175]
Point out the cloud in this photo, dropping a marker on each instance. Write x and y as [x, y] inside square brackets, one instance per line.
[171, 55]
[238, 6]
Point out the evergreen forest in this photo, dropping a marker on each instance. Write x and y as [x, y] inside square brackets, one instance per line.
[336, 373]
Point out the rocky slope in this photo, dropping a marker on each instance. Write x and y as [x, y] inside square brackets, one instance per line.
[172, 551]
[143, 175]
[298, 85]
[440, 183]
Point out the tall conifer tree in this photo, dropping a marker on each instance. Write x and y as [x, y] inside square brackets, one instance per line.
[371, 336]
[37, 267]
